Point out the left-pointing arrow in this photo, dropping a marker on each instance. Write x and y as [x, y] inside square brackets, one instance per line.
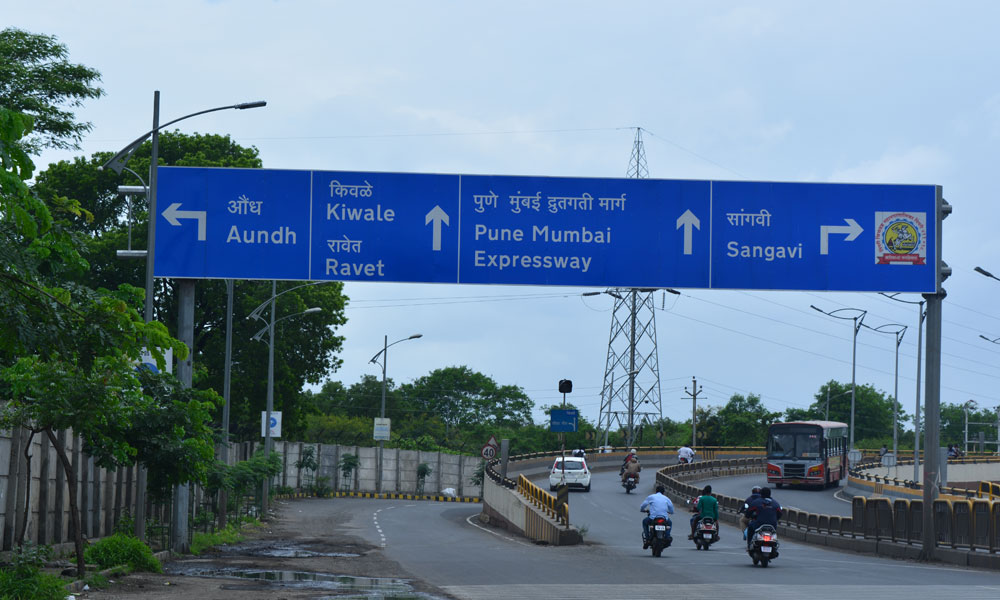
[438, 216]
[172, 215]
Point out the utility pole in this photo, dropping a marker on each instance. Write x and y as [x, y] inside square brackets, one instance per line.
[695, 390]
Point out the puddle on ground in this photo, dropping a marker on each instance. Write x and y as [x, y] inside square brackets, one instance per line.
[343, 586]
[289, 550]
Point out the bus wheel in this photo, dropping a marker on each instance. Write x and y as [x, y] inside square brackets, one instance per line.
[778, 485]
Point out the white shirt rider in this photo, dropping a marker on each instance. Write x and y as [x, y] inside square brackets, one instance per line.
[686, 453]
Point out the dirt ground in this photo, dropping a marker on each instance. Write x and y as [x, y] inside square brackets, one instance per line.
[296, 555]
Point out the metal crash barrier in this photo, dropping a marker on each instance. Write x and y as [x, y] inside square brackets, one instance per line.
[543, 500]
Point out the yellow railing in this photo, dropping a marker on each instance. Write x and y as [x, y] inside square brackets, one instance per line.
[543, 500]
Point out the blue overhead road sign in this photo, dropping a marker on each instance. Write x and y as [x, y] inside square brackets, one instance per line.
[563, 420]
[408, 227]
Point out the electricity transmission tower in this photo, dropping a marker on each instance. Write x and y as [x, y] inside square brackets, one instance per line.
[630, 396]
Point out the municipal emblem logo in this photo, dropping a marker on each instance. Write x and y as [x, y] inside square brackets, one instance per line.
[900, 238]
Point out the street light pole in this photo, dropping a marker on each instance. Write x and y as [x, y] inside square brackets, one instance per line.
[384, 353]
[858, 321]
[265, 487]
[898, 332]
[921, 314]
[118, 163]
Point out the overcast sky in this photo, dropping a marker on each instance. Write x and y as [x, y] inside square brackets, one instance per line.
[865, 91]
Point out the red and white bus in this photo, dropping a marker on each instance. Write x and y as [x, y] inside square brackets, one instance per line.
[810, 453]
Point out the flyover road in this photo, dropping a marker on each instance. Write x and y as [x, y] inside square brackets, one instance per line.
[443, 544]
[824, 502]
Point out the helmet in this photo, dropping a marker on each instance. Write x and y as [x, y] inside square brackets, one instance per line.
[755, 489]
[632, 451]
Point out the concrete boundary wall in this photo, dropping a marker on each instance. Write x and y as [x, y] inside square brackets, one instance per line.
[105, 495]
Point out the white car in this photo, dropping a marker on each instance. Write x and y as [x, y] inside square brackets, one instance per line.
[576, 474]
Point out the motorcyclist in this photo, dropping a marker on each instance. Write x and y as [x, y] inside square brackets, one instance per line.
[762, 511]
[744, 518]
[632, 467]
[685, 454]
[707, 506]
[658, 505]
[628, 458]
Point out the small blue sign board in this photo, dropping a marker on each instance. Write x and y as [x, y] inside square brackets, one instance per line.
[491, 229]
[563, 420]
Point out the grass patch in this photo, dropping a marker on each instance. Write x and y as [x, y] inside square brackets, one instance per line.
[24, 579]
[203, 541]
[97, 581]
[122, 549]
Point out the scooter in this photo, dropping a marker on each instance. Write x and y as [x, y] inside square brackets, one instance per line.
[630, 481]
[659, 535]
[706, 533]
[764, 545]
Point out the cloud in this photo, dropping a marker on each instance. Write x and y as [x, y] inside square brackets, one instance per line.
[919, 164]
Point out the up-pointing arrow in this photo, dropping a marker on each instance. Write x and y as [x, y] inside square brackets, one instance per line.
[852, 229]
[437, 216]
[172, 214]
[686, 220]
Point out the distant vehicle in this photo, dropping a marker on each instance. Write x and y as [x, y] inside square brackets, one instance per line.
[575, 475]
[810, 453]
[630, 481]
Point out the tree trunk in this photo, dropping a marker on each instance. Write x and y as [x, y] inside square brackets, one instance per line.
[21, 530]
[74, 511]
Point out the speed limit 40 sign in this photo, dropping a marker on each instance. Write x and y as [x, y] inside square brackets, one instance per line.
[489, 451]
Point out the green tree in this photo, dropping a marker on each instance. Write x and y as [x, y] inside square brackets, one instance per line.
[304, 352]
[37, 79]
[953, 419]
[872, 412]
[743, 421]
[460, 396]
[68, 352]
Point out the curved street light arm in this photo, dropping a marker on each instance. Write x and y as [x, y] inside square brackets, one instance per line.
[256, 313]
[117, 162]
[260, 334]
[374, 360]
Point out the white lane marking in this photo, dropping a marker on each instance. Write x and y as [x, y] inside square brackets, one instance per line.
[509, 539]
[837, 496]
[378, 528]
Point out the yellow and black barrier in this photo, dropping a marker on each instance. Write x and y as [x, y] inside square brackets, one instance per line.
[543, 500]
[383, 496]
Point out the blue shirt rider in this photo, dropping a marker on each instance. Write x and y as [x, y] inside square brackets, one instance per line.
[659, 506]
[763, 511]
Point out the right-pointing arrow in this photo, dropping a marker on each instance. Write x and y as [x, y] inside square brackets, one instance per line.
[686, 220]
[852, 229]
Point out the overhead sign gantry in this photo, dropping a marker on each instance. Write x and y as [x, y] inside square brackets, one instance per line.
[491, 229]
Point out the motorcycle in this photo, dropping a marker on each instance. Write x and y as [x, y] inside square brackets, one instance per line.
[706, 533]
[659, 535]
[764, 545]
[630, 482]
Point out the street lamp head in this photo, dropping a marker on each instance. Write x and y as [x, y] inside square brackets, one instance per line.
[312, 310]
[246, 105]
[415, 336]
[983, 271]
